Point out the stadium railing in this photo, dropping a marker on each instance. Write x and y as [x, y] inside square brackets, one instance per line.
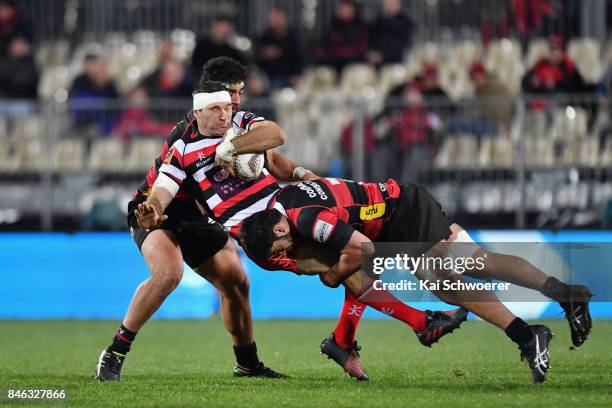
[502, 161]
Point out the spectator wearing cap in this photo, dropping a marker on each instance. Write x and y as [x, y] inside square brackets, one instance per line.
[13, 24]
[346, 41]
[278, 51]
[18, 73]
[91, 95]
[216, 44]
[390, 35]
[494, 98]
[555, 73]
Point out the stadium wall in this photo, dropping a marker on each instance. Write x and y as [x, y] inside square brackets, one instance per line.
[94, 275]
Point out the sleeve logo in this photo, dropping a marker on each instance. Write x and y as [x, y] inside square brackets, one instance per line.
[372, 212]
[169, 155]
[322, 231]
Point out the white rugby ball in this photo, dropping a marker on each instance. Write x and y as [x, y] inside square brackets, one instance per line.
[248, 166]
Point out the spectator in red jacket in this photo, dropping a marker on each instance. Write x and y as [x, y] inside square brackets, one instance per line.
[555, 73]
[416, 129]
[12, 25]
[136, 120]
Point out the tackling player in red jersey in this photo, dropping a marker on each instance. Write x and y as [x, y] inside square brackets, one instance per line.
[347, 216]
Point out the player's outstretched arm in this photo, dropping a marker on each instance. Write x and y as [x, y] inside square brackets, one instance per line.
[150, 214]
[284, 169]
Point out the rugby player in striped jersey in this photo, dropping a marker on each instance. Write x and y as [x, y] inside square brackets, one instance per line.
[192, 164]
[199, 241]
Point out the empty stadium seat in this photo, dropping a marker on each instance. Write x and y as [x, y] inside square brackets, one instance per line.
[586, 54]
[391, 75]
[69, 155]
[455, 81]
[537, 49]
[503, 152]
[446, 154]
[539, 151]
[485, 153]
[605, 159]
[143, 153]
[569, 122]
[54, 78]
[316, 79]
[106, 155]
[466, 152]
[503, 52]
[355, 77]
[29, 126]
[465, 52]
[34, 155]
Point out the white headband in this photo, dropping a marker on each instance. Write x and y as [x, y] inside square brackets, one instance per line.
[202, 100]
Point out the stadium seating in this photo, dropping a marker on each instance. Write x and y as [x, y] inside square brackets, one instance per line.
[69, 155]
[142, 154]
[107, 155]
[586, 53]
[355, 77]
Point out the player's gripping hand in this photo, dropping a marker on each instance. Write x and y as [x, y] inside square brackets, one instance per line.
[330, 277]
[147, 216]
[227, 165]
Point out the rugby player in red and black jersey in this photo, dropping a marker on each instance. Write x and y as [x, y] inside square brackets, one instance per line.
[202, 243]
[346, 217]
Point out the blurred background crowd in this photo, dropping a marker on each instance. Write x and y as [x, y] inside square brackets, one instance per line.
[501, 107]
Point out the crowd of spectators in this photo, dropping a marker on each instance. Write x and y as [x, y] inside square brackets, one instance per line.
[415, 113]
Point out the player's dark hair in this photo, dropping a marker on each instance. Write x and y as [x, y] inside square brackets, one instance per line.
[209, 87]
[223, 69]
[257, 234]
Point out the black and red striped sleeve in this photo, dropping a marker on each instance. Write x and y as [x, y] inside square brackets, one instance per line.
[172, 165]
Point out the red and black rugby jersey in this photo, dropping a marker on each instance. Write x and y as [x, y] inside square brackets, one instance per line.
[329, 210]
[187, 126]
[190, 162]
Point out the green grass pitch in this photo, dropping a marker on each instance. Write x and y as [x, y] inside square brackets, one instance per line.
[189, 363]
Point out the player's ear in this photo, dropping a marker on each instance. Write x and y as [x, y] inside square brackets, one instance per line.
[279, 229]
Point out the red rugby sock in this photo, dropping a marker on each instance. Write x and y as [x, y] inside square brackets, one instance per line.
[345, 330]
[385, 302]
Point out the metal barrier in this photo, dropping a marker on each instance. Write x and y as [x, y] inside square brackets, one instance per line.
[505, 161]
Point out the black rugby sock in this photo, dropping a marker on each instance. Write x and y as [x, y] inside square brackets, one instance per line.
[122, 342]
[555, 289]
[246, 356]
[519, 331]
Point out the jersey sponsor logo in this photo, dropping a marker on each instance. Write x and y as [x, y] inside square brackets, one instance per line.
[372, 212]
[322, 231]
[312, 189]
[147, 192]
